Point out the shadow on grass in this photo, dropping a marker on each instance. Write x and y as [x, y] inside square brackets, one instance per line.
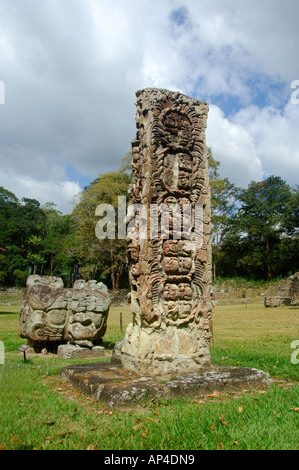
[108, 345]
[9, 313]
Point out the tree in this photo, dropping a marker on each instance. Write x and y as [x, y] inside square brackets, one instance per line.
[8, 204]
[7, 198]
[259, 227]
[35, 257]
[33, 239]
[100, 258]
[224, 198]
[291, 214]
[19, 222]
[26, 219]
[56, 242]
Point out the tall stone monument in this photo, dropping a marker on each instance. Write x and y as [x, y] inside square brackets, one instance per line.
[170, 265]
[169, 223]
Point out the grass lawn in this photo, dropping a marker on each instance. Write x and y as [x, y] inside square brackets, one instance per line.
[40, 411]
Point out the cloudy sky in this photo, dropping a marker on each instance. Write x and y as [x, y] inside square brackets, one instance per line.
[69, 70]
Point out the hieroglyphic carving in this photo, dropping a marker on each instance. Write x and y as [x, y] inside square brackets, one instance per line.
[171, 169]
[170, 272]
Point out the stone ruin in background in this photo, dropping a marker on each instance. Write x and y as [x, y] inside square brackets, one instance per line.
[170, 278]
[287, 293]
[52, 315]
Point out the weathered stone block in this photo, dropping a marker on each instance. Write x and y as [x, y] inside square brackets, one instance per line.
[67, 351]
[51, 314]
[272, 301]
[287, 293]
[111, 384]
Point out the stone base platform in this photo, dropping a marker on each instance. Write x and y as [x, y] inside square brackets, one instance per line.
[72, 350]
[116, 387]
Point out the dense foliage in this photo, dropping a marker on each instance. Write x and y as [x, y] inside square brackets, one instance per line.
[255, 232]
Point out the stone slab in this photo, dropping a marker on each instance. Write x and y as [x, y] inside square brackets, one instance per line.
[116, 387]
[73, 350]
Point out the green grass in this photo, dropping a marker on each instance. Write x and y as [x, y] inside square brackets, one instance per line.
[40, 411]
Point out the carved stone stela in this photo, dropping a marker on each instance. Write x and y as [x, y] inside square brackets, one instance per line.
[170, 275]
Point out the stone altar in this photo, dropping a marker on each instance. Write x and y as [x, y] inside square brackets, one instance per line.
[51, 315]
[170, 267]
[110, 384]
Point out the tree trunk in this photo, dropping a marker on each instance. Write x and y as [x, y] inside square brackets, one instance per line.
[113, 280]
[269, 260]
[51, 263]
[117, 280]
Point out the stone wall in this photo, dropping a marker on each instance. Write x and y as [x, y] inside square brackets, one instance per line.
[287, 293]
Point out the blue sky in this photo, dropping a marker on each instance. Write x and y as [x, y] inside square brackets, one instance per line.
[71, 69]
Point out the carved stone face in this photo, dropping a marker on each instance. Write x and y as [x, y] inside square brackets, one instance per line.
[43, 313]
[177, 128]
[86, 323]
[51, 314]
[133, 253]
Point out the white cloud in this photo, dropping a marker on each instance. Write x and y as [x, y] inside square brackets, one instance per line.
[255, 143]
[232, 145]
[275, 137]
[71, 70]
[62, 192]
